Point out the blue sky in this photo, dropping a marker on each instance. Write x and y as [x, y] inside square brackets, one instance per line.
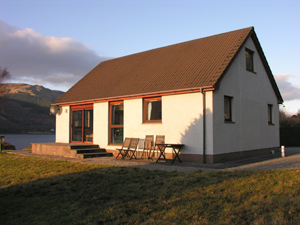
[55, 43]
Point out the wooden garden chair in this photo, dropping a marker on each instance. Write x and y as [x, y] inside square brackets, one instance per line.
[124, 149]
[159, 139]
[148, 146]
[132, 148]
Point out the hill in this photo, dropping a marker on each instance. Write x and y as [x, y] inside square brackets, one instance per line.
[25, 108]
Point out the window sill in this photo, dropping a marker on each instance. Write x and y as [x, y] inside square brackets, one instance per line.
[152, 122]
[271, 124]
[251, 71]
[115, 144]
[229, 122]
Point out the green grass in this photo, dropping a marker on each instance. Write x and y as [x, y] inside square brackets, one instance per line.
[44, 191]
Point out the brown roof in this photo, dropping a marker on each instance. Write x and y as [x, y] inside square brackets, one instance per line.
[189, 65]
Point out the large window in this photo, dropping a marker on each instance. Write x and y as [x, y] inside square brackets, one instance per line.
[228, 109]
[249, 60]
[116, 122]
[152, 109]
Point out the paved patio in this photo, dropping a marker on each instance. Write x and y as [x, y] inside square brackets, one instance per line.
[271, 161]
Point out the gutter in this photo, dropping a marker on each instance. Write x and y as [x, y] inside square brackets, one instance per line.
[132, 96]
[204, 125]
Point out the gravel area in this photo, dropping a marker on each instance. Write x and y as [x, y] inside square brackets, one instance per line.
[291, 161]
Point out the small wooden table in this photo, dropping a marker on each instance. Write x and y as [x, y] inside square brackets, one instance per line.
[176, 149]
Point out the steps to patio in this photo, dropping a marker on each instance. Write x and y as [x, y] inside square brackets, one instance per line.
[79, 151]
[90, 151]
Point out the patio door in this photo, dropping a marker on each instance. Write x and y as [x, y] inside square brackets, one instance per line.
[82, 124]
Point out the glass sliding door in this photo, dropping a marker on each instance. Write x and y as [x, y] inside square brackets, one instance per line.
[82, 123]
[88, 125]
[77, 126]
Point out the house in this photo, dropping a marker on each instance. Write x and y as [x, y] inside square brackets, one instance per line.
[217, 95]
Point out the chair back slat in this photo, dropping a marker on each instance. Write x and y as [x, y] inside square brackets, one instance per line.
[134, 143]
[126, 143]
[149, 138]
[160, 139]
[148, 145]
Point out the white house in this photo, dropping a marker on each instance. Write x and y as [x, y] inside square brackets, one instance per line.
[216, 95]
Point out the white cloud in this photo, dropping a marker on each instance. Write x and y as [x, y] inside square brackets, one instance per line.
[44, 60]
[289, 90]
[289, 86]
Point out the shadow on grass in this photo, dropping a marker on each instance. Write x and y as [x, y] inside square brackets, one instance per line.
[96, 195]
[134, 196]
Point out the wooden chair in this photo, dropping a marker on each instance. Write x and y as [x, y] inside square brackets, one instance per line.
[132, 148]
[148, 146]
[159, 139]
[124, 148]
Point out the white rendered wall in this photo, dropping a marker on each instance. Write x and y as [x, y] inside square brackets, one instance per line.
[251, 92]
[181, 121]
[101, 118]
[62, 127]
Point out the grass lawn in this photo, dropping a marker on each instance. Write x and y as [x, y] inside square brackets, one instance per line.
[45, 191]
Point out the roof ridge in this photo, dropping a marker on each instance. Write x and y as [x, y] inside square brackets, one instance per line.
[178, 43]
[201, 62]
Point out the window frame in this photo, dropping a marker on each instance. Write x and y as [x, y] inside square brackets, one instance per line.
[228, 119]
[111, 125]
[251, 57]
[270, 114]
[82, 109]
[145, 111]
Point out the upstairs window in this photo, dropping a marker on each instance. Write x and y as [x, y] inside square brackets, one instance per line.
[228, 109]
[249, 60]
[152, 109]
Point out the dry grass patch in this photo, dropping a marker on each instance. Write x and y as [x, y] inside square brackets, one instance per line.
[75, 193]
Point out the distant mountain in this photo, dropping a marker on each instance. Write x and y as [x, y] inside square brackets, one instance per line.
[25, 108]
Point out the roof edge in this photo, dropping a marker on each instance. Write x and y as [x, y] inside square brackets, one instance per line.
[254, 37]
[141, 95]
[217, 84]
[267, 68]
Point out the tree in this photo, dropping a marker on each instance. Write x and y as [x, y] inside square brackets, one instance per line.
[4, 75]
[289, 129]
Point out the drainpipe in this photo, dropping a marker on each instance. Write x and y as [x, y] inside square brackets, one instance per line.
[204, 125]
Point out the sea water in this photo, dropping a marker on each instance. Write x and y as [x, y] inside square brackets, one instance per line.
[21, 141]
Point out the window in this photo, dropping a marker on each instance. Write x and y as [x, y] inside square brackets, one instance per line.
[270, 116]
[116, 122]
[152, 109]
[228, 109]
[249, 60]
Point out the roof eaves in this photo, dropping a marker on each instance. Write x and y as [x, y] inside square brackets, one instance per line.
[141, 95]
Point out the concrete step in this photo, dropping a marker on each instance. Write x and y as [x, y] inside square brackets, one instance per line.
[94, 155]
[83, 146]
[84, 151]
[90, 150]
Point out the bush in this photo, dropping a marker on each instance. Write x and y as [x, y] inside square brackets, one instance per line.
[289, 130]
[6, 145]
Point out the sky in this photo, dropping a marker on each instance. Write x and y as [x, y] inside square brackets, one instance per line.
[54, 43]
